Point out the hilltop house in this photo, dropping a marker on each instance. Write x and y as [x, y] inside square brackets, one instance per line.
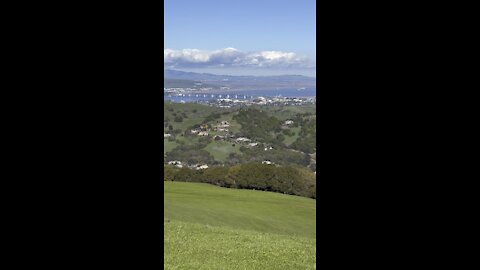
[176, 163]
[218, 137]
[221, 129]
[202, 167]
[243, 139]
[223, 126]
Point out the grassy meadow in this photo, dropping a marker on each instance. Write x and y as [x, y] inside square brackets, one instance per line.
[208, 227]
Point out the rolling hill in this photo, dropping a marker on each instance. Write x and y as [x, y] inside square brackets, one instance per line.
[221, 150]
[208, 227]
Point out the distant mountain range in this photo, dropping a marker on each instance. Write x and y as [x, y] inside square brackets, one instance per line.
[181, 83]
[245, 82]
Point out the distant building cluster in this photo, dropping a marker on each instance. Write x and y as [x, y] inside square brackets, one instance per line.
[179, 164]
[268, 101]
[234, 100]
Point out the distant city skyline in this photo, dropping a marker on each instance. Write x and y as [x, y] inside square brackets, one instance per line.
[262, 37]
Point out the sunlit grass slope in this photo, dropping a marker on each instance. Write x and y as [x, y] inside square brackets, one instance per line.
[196, 246]
[238, 208]
[208, 227]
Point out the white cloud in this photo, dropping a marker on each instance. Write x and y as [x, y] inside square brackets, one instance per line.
[231, 57]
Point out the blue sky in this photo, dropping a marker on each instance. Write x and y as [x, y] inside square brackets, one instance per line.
[261, 37]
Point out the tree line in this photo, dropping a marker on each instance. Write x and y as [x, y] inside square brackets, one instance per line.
[293, 180]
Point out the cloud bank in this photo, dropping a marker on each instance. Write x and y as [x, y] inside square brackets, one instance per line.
[231, 57]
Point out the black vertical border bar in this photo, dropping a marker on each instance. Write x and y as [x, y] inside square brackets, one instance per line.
[161, 23]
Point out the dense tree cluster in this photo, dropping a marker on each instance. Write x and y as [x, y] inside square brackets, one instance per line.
[307, 140]
[291, 180]
[258, 125]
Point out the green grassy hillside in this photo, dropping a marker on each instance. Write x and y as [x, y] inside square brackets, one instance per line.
[208, 227]
[194, 246]
[262, 124]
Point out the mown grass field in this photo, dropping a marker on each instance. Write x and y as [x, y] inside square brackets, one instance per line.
[208, 227]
